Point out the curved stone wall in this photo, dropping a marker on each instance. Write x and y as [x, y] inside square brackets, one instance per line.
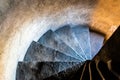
[29, 19]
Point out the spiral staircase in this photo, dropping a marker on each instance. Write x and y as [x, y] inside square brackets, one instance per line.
[71, 53]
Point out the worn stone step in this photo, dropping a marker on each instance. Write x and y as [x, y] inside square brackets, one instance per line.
[38, 52]
[41, 70]
[111, 49]
[83, 36]
[96, 41]
[50, 39]
[69, 74]
[65, 33]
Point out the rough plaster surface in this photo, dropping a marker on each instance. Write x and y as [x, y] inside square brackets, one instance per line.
[27, 20]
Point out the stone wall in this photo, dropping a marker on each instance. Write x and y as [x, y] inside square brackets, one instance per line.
[25, 20]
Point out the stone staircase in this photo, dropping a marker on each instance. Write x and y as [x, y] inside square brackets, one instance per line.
[69, 53]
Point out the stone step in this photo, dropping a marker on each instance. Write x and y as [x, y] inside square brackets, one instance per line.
[41, 70]
[69, 74]
[111, 49]
[83, 36]
[65, 33]
[38, 52]
[50, 39]
[96, 41]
